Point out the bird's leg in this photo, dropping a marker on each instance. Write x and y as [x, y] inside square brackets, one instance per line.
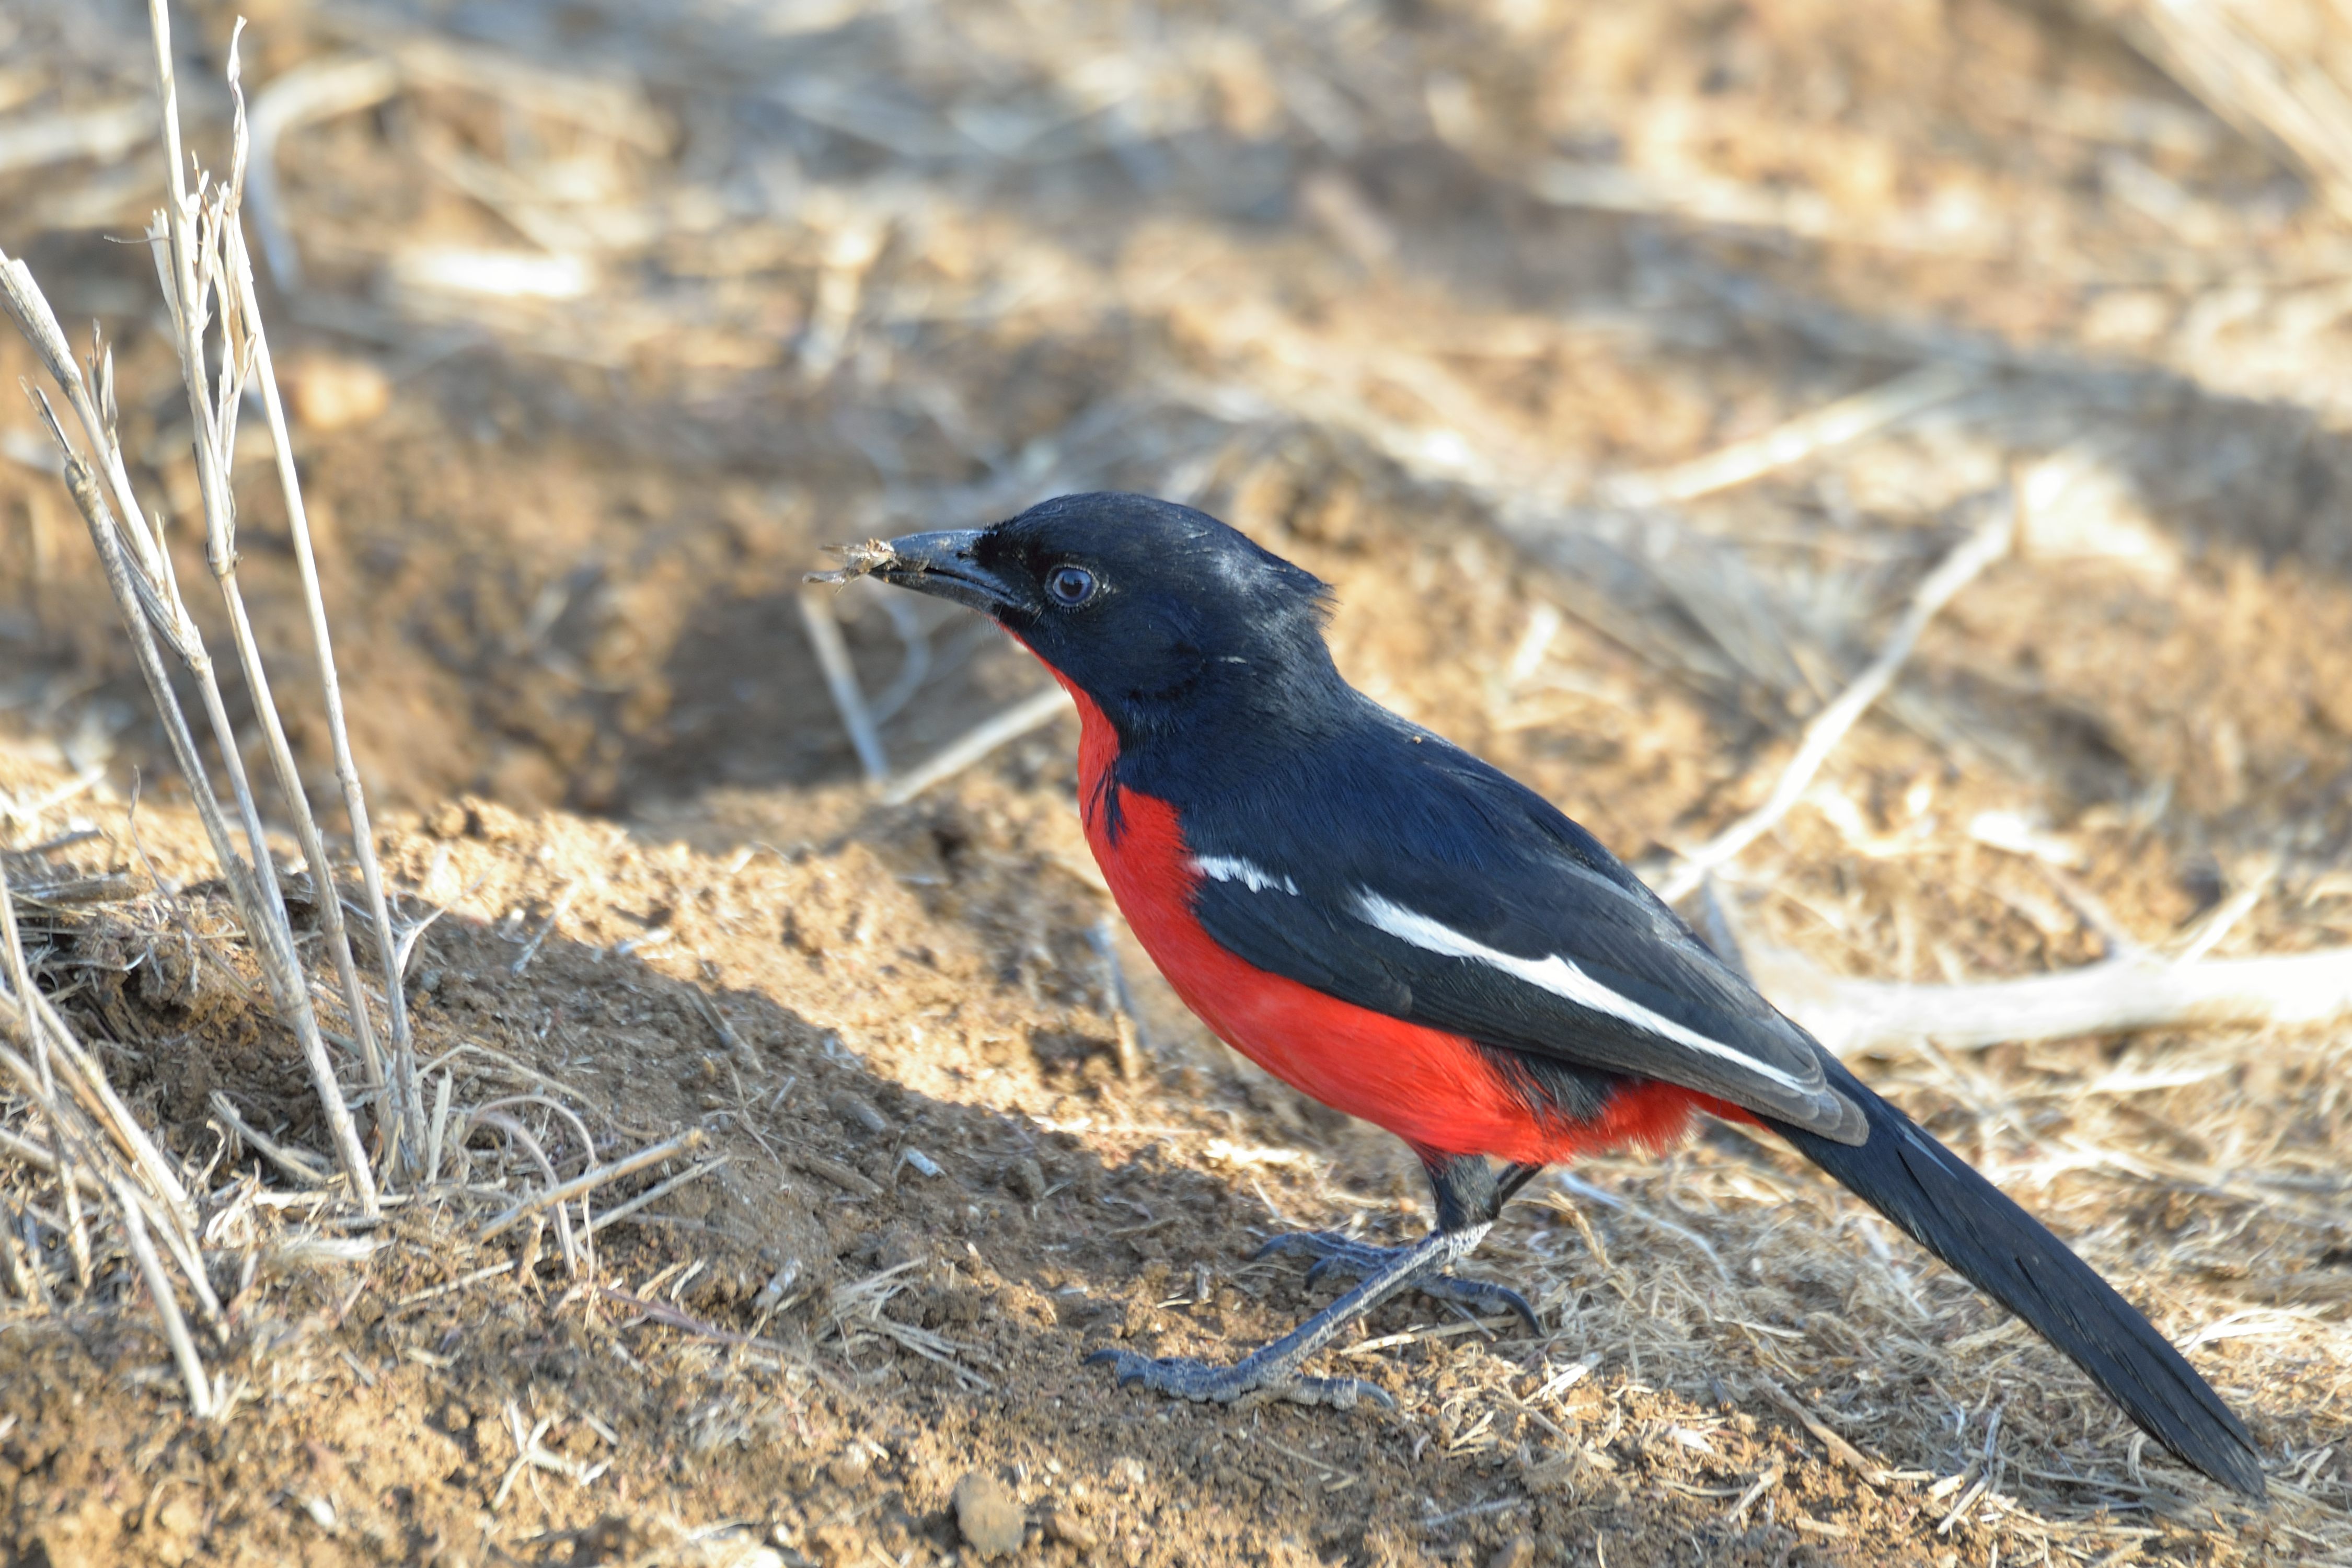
[1342, 1255]
[1469, 1194]
[1274, 1368]
[1468, 1191]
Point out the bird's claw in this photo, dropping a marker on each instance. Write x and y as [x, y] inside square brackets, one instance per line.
[1203, 1381]
[1340, 1255]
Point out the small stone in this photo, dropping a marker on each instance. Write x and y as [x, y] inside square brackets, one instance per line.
[856, 1114]
[902, 1245]
[751, 1556]
[332, 392]
[1518, 1552]
[184, 1516]
[1025, 1180]
[849, 1466]
[989, 1515]
[1064, 1525]
[177, 1530]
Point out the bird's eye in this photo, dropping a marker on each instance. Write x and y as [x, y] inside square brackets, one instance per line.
[1070, 586]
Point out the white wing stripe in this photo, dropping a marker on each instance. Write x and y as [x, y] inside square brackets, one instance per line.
[1559, 977]
[1255, 878]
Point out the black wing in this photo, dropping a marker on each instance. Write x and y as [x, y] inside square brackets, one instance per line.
[1405, 876]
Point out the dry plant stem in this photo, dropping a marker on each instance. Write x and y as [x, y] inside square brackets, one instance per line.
[1030, 713]
[59, 1159]
[31, 1153]
[1844, 1452]
[686, 1323]
[438, 1130]
[167, 1305]
[1848, 419]
[306, 833]
[407, 1091]
[587, 1142]
[164, 1200]
[81, 483]
[2133, 992]
[1988, 545]
[2295, 106]
[522, 1136]
[89, 1085]
[80, 1152]
[316, 89]
[179, 257]
[285, 1160]
[147, 594]
[589, 1181]
[655, 1194]
[85, 1081]
[841, 681]
[20, 984]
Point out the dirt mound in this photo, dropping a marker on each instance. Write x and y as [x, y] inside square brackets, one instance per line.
[927, 1188]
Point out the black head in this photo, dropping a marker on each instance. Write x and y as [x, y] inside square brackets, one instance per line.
[1148, 607]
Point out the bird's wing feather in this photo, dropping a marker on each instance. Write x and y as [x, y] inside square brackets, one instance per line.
[1469, 904]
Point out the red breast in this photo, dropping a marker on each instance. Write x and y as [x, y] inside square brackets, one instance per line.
[1435, 1091]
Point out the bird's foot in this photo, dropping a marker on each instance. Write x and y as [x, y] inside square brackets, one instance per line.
[1206, 1383]
[1340, 1255]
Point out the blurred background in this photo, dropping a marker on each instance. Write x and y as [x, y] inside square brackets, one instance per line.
[599, 318]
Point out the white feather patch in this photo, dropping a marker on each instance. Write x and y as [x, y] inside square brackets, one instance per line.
[1250, 874]
[1561, 978]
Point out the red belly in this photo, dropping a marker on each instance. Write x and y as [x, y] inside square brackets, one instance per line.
[1437, 1091]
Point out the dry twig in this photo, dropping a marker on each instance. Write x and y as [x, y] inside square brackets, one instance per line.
[1988, 545]
[1848, 419]
[840, 682]
[589, 1181]
[200, 260]
[1002, 729]
[2216, 48]
[2131, 990]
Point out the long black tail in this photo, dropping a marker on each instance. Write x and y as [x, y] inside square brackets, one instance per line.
[1965, 1220]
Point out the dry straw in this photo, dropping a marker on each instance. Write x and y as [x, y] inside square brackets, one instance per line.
[81, 1137]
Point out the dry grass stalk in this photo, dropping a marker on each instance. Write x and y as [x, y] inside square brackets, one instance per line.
[404, 1085]
[655, 1193]
[2131, 990]
[60, 1057]
[97, 1150]
[167, 1307]
[1848, 419]
[1988, 545]
[207, 280]
[2216, 49]
[317, 90]
[199, 251]
[1844, 1452]
[522, 1137]
[589, 1181]
[840, 682]
[999, 730]
[857, 1314]
[303, 1172]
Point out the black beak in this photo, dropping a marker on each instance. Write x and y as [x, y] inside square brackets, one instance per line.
[945, 565]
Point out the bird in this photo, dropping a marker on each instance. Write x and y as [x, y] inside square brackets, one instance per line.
[1407, 934]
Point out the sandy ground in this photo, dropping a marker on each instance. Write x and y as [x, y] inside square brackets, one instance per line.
[1330, 272]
